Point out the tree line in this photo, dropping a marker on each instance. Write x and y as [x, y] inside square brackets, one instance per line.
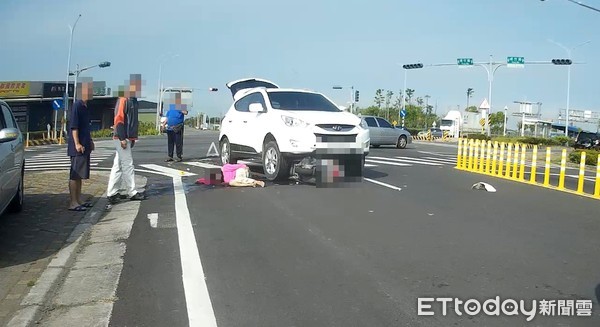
[419, 112]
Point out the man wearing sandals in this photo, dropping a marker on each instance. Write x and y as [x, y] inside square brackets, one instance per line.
[80, 145]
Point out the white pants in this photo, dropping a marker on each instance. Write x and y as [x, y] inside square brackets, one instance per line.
[122, 171]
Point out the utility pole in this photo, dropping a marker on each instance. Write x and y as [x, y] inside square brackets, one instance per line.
[568, 62]
[469, 94]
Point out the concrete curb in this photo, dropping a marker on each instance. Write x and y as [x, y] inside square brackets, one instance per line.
[34, 301]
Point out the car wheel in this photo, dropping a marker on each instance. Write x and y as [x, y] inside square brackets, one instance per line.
[225, 152]
[401, 144]
[16, 205]
[275, 165]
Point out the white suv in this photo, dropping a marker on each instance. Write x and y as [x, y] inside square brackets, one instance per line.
[284, 126]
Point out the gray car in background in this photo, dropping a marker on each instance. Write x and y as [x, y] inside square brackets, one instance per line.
[382, 132]
[12, 161]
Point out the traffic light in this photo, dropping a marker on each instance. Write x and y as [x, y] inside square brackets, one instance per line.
[562, 61]
[413, 66]
[356, 94]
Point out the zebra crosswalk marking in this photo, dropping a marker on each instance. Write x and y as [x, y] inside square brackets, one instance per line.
[58, 160]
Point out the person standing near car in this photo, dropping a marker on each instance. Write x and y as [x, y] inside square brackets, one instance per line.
[175, 126]
[125, 135]
[80, 145]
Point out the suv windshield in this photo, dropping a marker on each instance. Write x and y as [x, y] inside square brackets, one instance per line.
[301, 101]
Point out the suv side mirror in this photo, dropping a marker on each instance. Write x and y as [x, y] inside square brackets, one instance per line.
[8, 135]
[256, 108]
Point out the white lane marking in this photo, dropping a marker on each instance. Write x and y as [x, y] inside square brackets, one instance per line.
[202, 164]
[153, 217]
[166, 170]
[409, 160]
[438, 154]
[441, 160]
[199, 307]
[387, 163]
[383, 184]
[419, 161]
[63, 158]
[53, 165]
[369, 165]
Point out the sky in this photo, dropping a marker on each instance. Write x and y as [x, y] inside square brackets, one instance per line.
[314, 44]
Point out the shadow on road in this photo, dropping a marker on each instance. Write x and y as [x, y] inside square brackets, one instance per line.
[39, 231]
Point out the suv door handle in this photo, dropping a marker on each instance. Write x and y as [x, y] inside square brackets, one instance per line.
[229, 120]
[245, 121]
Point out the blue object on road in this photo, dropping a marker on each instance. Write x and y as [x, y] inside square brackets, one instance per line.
[57, 104]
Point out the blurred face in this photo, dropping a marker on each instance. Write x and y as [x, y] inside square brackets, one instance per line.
[87, 91]
[135, 85]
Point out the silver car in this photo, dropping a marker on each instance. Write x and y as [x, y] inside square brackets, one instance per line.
[382, 132]
[12, 161]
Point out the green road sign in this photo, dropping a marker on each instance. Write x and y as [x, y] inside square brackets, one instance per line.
[515, 61]
[465, 61]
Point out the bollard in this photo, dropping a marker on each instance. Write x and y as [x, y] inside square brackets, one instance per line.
[488, 157]
[508, 160]
[547, 170]
[522, 170]
[476, 157]
[465, 154]
[581, 174]
[27, 142]
[597, 190]
[501, 160]
[471, 146]
[494, 157]
[563, 168]
[482, 157]
[458, 155]
[533, 176]
[515, 168]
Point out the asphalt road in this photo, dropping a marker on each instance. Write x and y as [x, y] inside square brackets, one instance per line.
[296, 255]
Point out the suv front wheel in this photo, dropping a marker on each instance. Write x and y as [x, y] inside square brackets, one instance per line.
[225, 152]
[275, 165]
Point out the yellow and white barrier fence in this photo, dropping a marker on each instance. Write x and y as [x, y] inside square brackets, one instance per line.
[514, 161]
[428, 137]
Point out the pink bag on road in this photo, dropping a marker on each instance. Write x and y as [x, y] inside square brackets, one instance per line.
[229, 171]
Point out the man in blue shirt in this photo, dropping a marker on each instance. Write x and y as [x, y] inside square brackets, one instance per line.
[80, 145]
[175, 119]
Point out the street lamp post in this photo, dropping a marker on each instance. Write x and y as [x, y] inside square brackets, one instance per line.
[427, 109]
[568, 50]
[491, 69]
[404, 95]
[78, 71]
[582, 4]
[66, 100]
[159, 94]
[505, 119]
